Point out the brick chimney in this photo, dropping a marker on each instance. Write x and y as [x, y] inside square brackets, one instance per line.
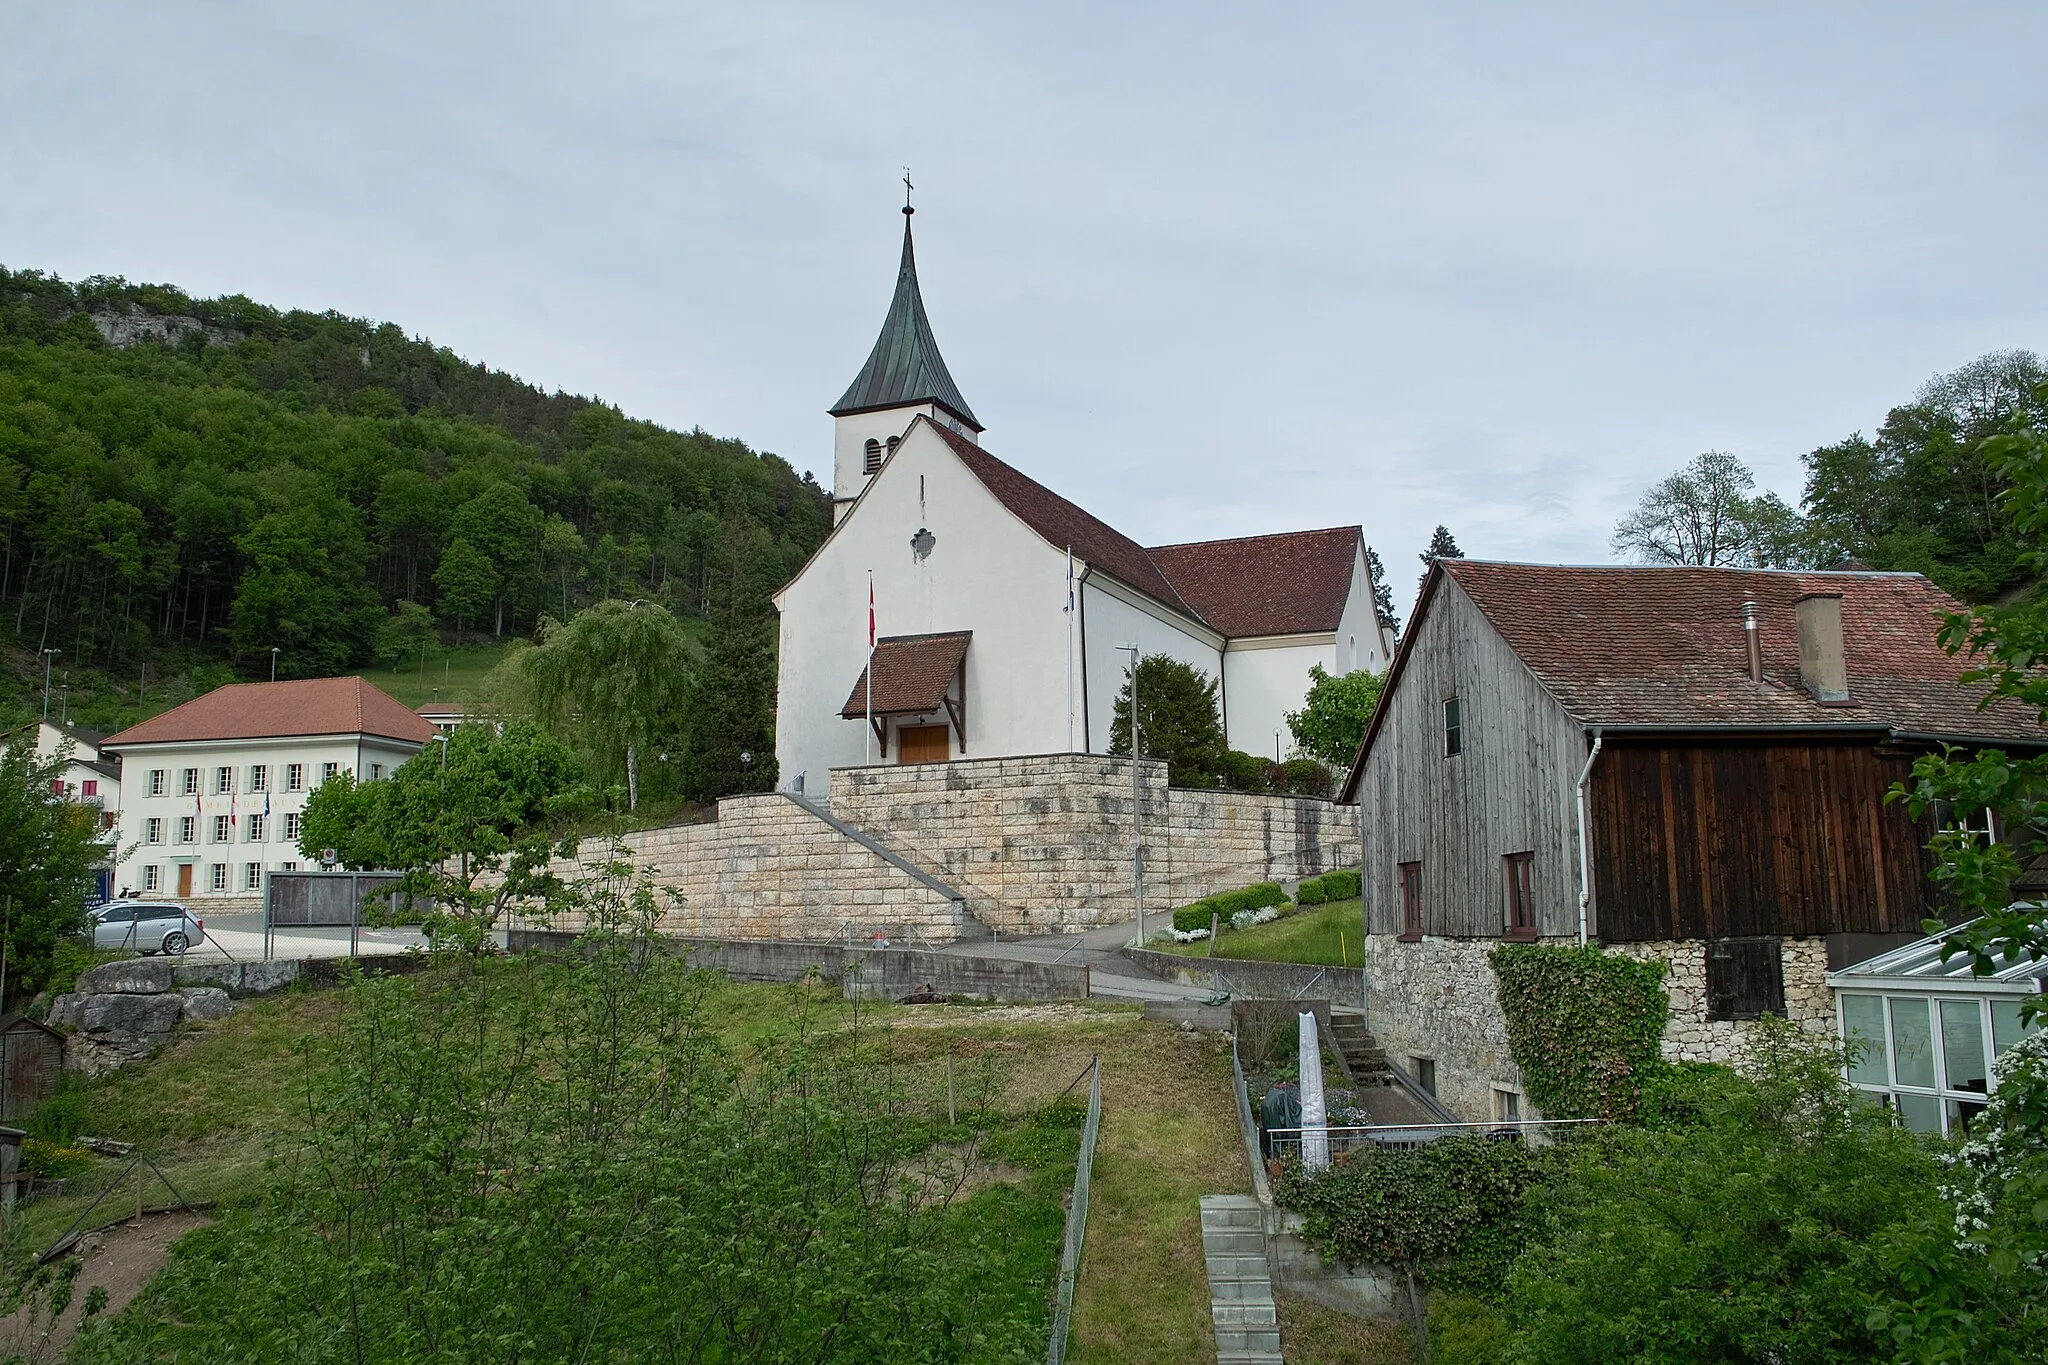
[1822, 667]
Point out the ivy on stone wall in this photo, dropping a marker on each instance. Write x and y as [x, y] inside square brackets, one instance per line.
[1582, 1025]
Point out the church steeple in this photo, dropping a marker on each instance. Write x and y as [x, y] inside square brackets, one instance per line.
[905, 368]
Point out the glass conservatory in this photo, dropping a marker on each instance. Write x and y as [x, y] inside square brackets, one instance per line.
[1926, 1033]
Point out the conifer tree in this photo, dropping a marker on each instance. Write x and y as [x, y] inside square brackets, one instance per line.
[1442, 545]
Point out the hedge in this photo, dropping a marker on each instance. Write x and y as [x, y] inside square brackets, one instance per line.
[1226, 904]
[1341, 885]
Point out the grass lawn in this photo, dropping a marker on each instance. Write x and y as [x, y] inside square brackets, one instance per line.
[214, 1104]
[1311, 1334]
[1325, 935]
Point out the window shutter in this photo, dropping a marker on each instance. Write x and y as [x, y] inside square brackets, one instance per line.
[1745, 978]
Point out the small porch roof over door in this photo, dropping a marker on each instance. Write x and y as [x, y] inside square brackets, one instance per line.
[915, 675]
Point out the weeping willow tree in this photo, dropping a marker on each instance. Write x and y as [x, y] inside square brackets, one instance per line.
[606, 679]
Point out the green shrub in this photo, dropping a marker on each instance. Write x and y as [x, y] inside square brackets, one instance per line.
[1454, 1210]
[1464, 1331]
[1189, 918]
[53, 1161]
[1341, 885]
[1679, 1095]
[1256, 897]
[1312, 891]
[1242, 772]
[1307, 777]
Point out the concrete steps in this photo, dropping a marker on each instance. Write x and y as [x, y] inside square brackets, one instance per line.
[1362, 1052]
[1240, 1283]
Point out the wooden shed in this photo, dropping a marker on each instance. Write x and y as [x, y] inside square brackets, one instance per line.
[31, 1063]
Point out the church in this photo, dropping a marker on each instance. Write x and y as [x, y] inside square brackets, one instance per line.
[959, 609]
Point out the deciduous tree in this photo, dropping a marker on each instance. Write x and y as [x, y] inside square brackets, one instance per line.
[1705, 514]
[610, 676]
[1331, 722]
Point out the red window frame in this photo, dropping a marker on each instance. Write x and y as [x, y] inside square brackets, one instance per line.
[1411, 902]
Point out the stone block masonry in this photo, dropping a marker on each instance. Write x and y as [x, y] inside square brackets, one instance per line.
[937, 851]
[1043, 844]
[1439, 999]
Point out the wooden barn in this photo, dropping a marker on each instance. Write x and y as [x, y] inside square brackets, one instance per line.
[1682, 763]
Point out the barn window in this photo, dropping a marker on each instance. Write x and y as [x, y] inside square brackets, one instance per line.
[1521, 900]
[1745, 978]
[1454, 727]
[874, 456]
[1411, 901]
[1425, 1072]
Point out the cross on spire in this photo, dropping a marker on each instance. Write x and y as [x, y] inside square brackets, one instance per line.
[906, 192]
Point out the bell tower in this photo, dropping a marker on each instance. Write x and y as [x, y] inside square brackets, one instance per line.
[903, 377]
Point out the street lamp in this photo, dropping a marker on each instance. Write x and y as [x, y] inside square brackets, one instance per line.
[273, 662]
[1137, 804]
[48, 655]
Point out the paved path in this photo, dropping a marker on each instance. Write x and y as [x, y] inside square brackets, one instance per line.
[1240, 1282]
[239, 938]
[1110, 973]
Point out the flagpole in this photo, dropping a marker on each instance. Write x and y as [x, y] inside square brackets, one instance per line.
[871, 666]
[1070, 649]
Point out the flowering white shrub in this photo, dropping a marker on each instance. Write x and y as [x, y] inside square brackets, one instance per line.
[1189, 935]
[1266, 915]
[2007, 1143]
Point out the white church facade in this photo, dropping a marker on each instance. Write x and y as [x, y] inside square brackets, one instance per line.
[1002, 613]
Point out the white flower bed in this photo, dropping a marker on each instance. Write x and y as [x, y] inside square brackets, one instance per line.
[1189, 935]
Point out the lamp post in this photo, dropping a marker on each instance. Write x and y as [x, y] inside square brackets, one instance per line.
[273, 662]
[1137, 804]
[48, 655]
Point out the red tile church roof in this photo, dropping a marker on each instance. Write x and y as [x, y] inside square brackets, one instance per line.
[1285, 584]
[1289, 584]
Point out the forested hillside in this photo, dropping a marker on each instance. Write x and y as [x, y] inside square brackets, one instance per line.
[186, 484]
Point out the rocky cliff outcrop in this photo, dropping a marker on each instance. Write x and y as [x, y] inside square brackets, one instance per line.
[120, 1012]
[125, 324]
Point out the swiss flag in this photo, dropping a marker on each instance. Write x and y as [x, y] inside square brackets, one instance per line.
[871, 612]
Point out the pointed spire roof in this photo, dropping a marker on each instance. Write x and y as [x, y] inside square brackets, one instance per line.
[905, 367]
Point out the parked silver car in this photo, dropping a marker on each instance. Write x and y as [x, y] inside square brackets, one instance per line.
[145, 927]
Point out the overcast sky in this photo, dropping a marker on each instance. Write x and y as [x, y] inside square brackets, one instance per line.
[1206, 269]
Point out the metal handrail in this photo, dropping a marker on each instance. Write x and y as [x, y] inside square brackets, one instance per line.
[1077, 1222]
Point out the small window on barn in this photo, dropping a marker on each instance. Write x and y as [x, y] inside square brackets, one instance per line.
[1520, 894]
[1411, 901]
[874, 456]
[1454, 727]
[1425, 1072]
[1745, 978]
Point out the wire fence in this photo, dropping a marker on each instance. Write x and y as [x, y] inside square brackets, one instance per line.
[1077, 1222]
[120, 1181]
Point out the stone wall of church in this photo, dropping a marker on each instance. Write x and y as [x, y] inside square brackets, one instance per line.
[1042, 844]
[1032, 845]
[767, 868]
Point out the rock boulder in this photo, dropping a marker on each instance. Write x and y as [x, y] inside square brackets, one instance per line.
[132, 976]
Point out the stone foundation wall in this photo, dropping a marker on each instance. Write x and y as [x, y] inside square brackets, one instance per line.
[1691, 1037]
[1043, 844]
[768, 868]
[1439, 999]
[1028, 845]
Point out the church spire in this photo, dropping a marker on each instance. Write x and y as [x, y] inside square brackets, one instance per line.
[905, 368]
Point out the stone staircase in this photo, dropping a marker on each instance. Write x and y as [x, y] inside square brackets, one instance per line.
[1240, 1284]
[1363, 1055]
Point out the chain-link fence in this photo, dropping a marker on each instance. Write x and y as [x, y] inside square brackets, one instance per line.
[103, 1182]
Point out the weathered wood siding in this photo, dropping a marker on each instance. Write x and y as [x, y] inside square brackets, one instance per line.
[1509, 792]
[1701, 840]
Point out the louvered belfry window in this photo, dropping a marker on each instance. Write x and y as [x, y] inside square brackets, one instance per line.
[874, 456]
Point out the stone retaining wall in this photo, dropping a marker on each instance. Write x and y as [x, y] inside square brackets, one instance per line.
[1245, 979]
[768, 868]
[1043, 844]
[865, 972]
[1028, 845]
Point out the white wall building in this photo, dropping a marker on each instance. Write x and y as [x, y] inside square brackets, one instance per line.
[90, 778]
[215, 788]
[999, 607]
